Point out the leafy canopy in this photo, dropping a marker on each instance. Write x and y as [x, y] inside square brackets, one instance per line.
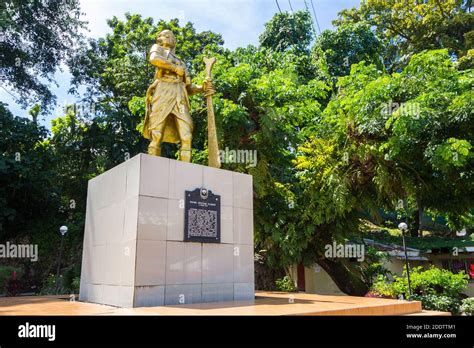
[37, 36]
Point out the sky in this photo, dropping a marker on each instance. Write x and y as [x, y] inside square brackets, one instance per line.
[239, 21]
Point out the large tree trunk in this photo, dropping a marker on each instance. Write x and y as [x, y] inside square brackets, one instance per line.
[345, 277]
[415, 224]
[415, 219]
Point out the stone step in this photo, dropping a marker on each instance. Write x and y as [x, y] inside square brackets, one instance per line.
[431, 313]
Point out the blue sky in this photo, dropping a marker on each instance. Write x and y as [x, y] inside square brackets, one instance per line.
[239, 21]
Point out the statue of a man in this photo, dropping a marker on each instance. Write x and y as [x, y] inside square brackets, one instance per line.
[167, 117]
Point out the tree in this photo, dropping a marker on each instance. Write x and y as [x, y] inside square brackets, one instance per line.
[408, 27]
[288, 31]
[37, 36]
[265, 104]
[431, 134]
[388, 137]
[30, 192]
[338, 49]
[26, 175]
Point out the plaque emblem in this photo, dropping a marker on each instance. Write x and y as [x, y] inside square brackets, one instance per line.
[202, 216]
[203, 193]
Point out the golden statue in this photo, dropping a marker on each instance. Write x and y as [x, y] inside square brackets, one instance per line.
[167, 116]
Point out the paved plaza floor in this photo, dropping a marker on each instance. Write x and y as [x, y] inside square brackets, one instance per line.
[265, 303]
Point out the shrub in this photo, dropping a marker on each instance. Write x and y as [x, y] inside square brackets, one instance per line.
[436, 288]
[382, 288]
[286, 284]
[437, 281]
[69, 279]
[433, 281]
[438, 303]
[467, 306]
[51, 288]
[75, 285]
[373, 267]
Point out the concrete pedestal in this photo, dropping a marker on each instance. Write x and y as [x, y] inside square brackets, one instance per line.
[134, 254]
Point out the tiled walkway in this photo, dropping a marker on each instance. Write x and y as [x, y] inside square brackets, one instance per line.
[266, 303]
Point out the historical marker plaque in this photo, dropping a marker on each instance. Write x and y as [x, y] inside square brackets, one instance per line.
[202, 216]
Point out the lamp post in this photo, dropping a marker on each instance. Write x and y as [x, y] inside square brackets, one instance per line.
[63, 231]
[403, 227]
[461, 233]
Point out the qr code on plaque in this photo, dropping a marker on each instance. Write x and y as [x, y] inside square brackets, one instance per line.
[202, 223]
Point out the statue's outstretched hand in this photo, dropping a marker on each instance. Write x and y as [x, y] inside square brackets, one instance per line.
[208, 87]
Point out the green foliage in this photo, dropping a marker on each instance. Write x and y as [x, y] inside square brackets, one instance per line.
[66, 284]
[383, 288]
[453, 153]
[467, 306]
[286, 284]
[467, 61]
[27, 178]
[348, 44]
[373, 266]
[34, 112]
[75, 285]
[36, 37]
[438, 289]
[136, 105]
[435, 281]
[288, 30]
[71, 280]
[389, 133]
[408, 28]
[50, 286]
[438, 303]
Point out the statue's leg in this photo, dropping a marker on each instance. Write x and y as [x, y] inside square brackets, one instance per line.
[185, 134]
[156, 137]
[155, 144]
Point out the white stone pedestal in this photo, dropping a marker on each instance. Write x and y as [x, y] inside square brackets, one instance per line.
[134, 254]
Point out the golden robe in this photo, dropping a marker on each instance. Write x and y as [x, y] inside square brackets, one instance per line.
[167, 96]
